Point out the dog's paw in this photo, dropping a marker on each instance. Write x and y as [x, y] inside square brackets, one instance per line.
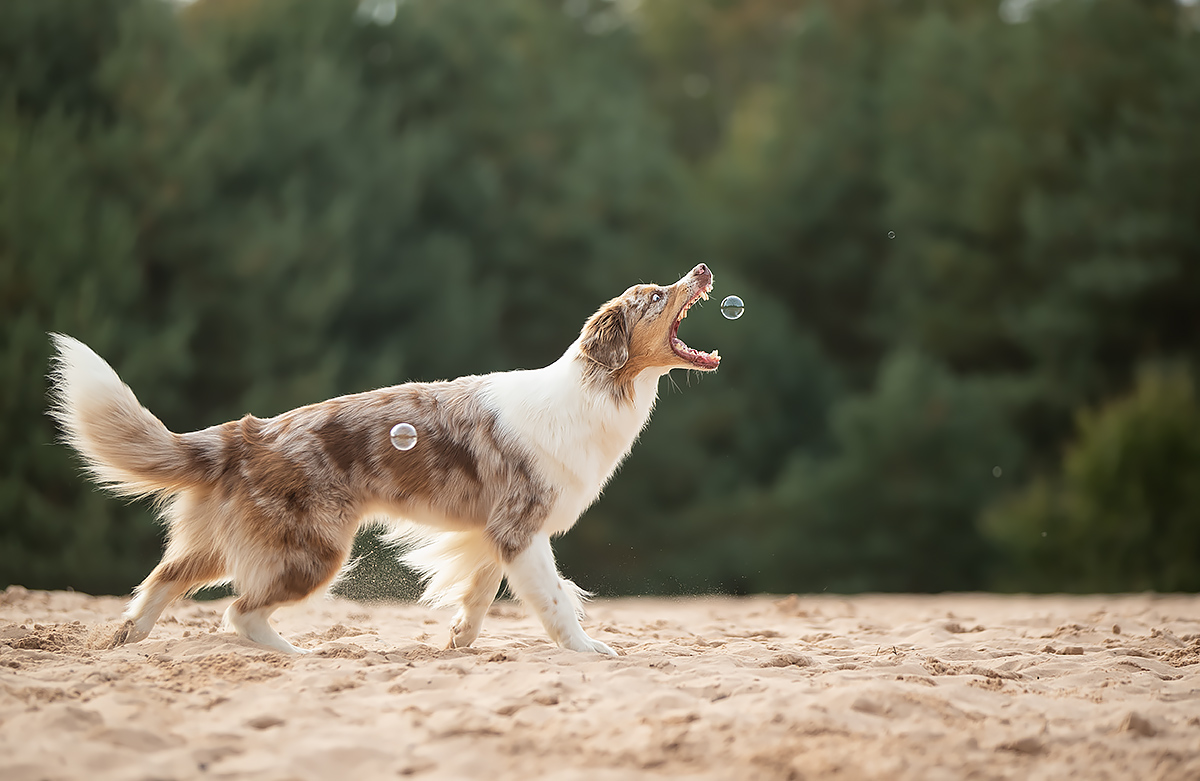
[462, 633]
[586, 644]
[128, 632]
[461, 639]
[601, 648]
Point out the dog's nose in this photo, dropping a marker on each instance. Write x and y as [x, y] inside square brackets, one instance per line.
[701, 269]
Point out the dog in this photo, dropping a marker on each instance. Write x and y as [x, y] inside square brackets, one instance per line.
[502, 462]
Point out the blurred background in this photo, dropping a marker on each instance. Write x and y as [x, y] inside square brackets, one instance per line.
[967, 235]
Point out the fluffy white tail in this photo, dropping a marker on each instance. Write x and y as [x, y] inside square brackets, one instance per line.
[124, 447]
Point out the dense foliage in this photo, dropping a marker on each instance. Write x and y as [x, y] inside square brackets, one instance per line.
[960, 229]
[1123, 513]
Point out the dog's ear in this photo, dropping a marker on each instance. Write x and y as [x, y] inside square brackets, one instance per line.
[606, 337]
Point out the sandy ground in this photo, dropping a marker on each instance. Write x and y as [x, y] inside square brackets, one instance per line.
[887, 687]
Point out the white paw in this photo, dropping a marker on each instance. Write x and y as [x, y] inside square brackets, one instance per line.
[462, 633]
[128, 632]
[601, 648]
[280, 645]
[586, 644]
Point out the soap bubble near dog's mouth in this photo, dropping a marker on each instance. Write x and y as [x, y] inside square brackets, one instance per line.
[732, 307]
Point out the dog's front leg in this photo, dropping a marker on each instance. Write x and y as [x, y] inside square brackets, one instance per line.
[533, 578]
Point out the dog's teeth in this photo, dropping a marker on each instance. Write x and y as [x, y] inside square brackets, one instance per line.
[716, 353]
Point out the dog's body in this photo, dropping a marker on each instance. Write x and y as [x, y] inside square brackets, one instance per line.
[502, 462]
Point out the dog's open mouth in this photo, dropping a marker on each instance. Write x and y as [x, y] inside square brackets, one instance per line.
[701, 360]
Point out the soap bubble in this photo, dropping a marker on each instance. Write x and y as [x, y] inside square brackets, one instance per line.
[997, 471]
[404, 436]
[732, 307]
[891, 234]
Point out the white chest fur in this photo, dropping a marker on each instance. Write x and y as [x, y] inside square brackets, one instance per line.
[577, 435]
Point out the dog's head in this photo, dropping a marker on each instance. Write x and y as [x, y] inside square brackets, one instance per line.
[639, 329]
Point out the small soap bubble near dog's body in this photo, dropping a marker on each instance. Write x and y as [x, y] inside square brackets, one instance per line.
[732, 307]
[404, 436]
[891, 234]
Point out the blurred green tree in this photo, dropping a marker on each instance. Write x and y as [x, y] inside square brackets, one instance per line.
[64, 261]
[248, 205]
[894, 507]
[1040, 182]
[1122, 516]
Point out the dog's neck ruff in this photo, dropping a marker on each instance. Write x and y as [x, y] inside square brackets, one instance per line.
[577, 432]
[623, 387]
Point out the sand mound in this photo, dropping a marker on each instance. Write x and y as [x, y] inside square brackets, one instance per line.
[887, 687]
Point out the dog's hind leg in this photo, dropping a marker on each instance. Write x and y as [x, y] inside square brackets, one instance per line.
[304, 572]
[481, 591]
[533, 578]
[171, 579]
[251, 622]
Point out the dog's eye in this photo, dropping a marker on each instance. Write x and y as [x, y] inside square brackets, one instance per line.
[654, 297]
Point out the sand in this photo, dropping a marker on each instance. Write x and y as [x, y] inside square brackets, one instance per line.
[880, 687]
